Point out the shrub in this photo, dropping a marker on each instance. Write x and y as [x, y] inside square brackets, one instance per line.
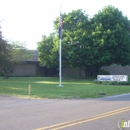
[128, 83]
[106, 82]
[122, 83]
[114, 83]
[95, 81]
[110, 82]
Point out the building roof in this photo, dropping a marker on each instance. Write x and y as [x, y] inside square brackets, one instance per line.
[32, 56]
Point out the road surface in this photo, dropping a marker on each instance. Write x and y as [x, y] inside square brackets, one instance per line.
[74, 114]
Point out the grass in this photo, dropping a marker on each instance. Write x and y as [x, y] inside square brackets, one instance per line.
[43, 87]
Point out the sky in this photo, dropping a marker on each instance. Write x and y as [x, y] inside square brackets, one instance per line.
[27, 20]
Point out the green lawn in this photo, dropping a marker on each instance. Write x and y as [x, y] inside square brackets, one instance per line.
[42, 87]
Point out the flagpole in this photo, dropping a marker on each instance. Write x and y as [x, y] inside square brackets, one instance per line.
[60, 52]
[60, 64]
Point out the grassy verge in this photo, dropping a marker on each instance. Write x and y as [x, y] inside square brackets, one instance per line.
[42, 87]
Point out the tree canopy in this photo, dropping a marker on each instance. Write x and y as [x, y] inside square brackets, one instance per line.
[111, 34]
[89, 43]
[11, 52]
[4, 49]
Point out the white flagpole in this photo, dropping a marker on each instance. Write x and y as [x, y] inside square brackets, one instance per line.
[60, 64]
[60, 53]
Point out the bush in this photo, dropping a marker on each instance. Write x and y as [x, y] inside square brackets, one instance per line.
[96, 81]
[122, 83]
[114, 83]
[110, 82]
[128, 83]
[106, 83]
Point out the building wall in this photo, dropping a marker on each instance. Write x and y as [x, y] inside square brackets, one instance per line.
[113, 70]
[25, 69]
[117, 69]
[68, 71]
[33, 69]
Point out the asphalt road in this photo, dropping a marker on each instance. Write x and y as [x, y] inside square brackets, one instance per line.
[55, 114]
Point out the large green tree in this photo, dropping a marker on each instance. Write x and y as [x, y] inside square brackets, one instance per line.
[111, 37]
[48, 51]
[90, 43]
[12, 53]
[18, 55]
[73, 25]
[4, 51]
[76, 33]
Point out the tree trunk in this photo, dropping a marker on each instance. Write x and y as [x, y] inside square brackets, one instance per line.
[5, 74]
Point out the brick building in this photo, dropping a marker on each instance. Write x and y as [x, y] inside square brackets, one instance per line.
[31, 67]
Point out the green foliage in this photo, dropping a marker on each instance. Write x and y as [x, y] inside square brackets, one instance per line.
[111, 37]
[88, 43]
[4, 53]
[19, 52]
[48, 51]
[97, 82]
[12, 53]
[110, 82]
[106, 83]
[128, 83]
[122, 83]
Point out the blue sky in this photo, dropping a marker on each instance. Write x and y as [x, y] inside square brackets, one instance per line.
[27, 20]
